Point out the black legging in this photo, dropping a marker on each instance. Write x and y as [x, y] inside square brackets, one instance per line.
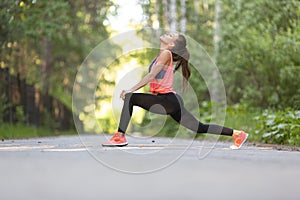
[171, 104]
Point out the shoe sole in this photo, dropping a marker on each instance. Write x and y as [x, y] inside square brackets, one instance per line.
[115, 145]
[235, 147]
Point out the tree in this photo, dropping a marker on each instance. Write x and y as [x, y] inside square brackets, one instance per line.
[260, 41]
[44, 43]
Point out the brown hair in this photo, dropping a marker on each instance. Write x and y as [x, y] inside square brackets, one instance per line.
[181, 55]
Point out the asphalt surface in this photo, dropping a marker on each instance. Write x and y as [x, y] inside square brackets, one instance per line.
[74, 167]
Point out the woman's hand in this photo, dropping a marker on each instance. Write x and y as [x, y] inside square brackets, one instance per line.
[123, 93]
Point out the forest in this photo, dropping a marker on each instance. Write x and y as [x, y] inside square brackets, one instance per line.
[251, 48]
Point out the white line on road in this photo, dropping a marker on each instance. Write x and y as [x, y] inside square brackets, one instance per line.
[64, 150]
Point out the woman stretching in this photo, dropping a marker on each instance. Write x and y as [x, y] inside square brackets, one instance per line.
[161, 78]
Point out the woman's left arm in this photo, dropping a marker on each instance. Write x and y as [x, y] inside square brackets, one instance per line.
[162, 61]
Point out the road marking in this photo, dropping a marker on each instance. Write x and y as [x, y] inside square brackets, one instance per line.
[23, 148]
[159, 147]
[155, 147]
[64, 150]
[43, 148]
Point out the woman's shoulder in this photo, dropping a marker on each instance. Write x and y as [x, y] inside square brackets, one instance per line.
[165, 58]
[165, 54]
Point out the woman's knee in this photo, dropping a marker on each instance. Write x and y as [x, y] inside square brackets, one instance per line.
[127, 99]
[132, 98]
[128, 96]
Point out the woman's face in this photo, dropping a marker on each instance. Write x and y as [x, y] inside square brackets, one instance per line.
[168, 39]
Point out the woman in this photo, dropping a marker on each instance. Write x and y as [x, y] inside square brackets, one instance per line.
[161, 77]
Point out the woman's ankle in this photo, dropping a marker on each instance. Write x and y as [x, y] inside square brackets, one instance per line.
[236, 132]
[121, 133]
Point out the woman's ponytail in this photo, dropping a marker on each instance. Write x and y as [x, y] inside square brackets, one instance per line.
[181, 55]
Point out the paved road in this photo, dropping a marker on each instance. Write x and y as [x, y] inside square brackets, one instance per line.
[149, 168]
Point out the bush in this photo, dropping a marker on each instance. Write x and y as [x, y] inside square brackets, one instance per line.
[281, 127]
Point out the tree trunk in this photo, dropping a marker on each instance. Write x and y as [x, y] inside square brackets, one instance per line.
[166, 13]
[158, 18]
[173, 16]
[47, 65]
[238, 4]
[217, 30]
[217, 35]
[183, 16]
[196, 7]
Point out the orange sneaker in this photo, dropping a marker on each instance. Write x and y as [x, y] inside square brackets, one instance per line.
[239, 140]
[117, 140]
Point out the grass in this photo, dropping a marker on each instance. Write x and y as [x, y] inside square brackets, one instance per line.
[20, 131]
[241, 118]
[237, 117]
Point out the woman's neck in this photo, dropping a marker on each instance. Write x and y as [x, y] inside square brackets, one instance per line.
[163, 47]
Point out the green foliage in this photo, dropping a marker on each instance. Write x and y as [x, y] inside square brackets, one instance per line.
[20, 117]
[281, 127]
[45, 19]
[259, 54]
[44, 43]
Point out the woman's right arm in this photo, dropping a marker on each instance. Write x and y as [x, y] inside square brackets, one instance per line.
[162, 61]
